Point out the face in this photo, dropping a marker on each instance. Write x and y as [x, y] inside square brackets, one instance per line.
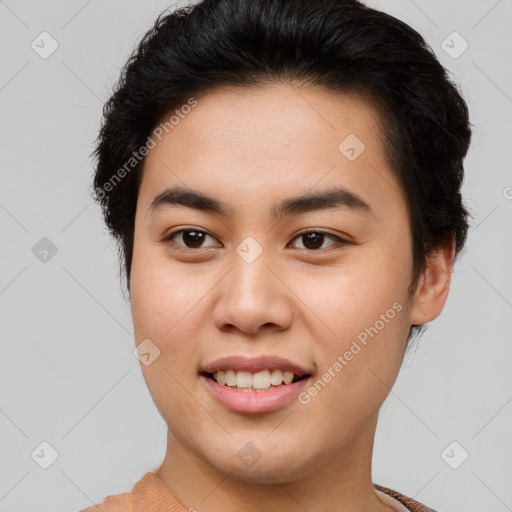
[256, 278]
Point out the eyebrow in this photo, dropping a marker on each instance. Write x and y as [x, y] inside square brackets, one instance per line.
[338, 197]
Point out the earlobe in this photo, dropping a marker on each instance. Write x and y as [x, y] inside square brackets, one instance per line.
[434, 285]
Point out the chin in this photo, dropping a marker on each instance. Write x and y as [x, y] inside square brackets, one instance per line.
[259, 463]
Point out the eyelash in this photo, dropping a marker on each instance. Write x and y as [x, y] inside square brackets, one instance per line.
[168, 239]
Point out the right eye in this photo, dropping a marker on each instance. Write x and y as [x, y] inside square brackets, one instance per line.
[191, 238]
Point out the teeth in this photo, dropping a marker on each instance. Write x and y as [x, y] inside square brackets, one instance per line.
[220, 377]
[277, 377]
[261, 380]
[243, 380]
[231, 378]
[287, 377]
[258, 381]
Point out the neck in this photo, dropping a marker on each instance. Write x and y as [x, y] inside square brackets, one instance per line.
[337, 482]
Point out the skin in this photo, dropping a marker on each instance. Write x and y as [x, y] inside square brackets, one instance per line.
[250, 148]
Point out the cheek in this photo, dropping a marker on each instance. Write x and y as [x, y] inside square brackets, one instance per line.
[364, 304]
[162, 304]
[161, 295]
[352, 296]
[360, 362]
[165, 310]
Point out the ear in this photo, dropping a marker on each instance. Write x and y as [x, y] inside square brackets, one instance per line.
[434, 285]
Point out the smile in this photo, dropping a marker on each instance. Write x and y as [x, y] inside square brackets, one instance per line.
[254, 382]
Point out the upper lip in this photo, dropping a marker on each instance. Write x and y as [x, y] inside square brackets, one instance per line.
[254, 364]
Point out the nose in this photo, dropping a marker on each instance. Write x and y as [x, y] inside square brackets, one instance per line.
[252, 297]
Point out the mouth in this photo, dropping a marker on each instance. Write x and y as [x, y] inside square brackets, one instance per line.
[254, 385]
[257, 382]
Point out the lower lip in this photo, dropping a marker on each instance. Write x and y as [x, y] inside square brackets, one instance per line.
[254, 401]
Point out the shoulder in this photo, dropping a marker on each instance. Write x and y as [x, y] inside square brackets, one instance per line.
[410, 504]
[113, 503]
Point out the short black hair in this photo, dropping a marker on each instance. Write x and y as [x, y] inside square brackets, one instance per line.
[341, 45]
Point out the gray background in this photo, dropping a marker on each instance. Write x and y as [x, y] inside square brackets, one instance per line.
[68, 374]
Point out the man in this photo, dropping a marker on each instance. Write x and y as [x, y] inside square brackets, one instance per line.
[284, 181]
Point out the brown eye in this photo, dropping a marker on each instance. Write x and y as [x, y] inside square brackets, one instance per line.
[190, 238]
[313, 240]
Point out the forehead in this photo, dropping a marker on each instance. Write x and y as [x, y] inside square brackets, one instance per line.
[249, 144]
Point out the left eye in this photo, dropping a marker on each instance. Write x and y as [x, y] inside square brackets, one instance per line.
[314, 240]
